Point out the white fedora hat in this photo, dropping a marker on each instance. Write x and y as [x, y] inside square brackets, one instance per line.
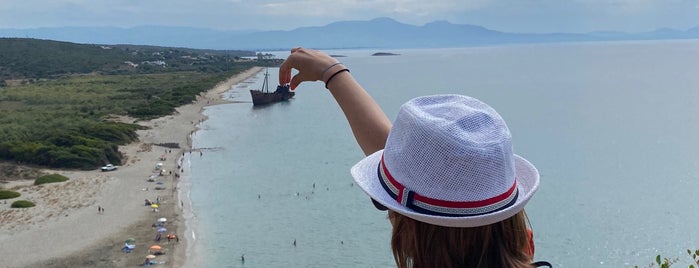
[448, 161]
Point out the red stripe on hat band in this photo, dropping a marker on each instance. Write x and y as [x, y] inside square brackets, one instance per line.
[446, 203]
[393, 181]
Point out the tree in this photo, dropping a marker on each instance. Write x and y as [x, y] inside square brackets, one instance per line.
[263, 57]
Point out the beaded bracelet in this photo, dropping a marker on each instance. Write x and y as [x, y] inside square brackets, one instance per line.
[333, 76]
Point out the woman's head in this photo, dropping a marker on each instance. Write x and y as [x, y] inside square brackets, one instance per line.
[502, 244]
[448, 162]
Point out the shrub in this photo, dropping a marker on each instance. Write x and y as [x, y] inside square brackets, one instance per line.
[22, 204]
[7, 194]
[50, 179]
[666, 262]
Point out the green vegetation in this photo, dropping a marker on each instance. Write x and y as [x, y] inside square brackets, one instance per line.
[22, 58]
[666, 262]
[50, 179]
[7, 194]
[61, 123]
[56, 98]
[22, 204]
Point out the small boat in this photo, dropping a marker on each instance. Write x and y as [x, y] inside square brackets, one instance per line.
[263, 96]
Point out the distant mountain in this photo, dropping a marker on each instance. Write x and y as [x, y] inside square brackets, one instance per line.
[376, 33]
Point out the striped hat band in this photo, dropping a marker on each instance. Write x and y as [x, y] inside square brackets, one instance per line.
[437, 207]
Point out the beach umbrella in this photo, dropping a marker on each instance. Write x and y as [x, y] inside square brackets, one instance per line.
[151, 256]
[162, 230]
[162, 220]
[130, 241]
[155, 247]
[154, 205]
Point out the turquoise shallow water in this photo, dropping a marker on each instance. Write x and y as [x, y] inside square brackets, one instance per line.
[611, 127]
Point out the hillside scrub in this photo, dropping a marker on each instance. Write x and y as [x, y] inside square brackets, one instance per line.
[7, 194]
[61, 123]
[50, 179]
[22, 204]
[25, 58]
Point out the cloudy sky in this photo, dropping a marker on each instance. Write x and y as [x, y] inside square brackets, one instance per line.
[504, 15]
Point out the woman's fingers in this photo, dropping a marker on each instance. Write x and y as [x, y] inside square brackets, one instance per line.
[287, 65]
[285, 73]
[309, 63]
[297, 79]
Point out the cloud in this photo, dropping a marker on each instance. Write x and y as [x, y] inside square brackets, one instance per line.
[507, 15]
[620, 6]
[321, 12]
[354, 8]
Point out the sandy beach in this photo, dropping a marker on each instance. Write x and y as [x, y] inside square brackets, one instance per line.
[65, 228]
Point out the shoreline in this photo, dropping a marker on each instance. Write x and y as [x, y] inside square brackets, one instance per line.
[46, 235]
[187, 254]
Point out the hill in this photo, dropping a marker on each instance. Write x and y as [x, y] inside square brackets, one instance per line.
[22, 58]
[388, 33]
[376, 33]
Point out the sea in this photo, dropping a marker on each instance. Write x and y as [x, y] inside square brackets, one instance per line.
[613, 128]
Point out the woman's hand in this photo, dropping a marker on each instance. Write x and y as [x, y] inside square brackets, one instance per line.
[311, 64]
[369, 123]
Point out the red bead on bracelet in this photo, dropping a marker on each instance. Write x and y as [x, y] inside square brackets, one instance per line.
[333, 76]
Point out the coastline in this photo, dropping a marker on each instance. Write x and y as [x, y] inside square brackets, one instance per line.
[46, 235]
[186, 253]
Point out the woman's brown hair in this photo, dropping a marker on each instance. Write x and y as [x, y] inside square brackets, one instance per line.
[420, 245]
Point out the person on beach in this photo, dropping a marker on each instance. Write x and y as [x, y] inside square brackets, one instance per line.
[444, 170]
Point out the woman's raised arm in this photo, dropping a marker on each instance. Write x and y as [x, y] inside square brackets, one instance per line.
[368, 122]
